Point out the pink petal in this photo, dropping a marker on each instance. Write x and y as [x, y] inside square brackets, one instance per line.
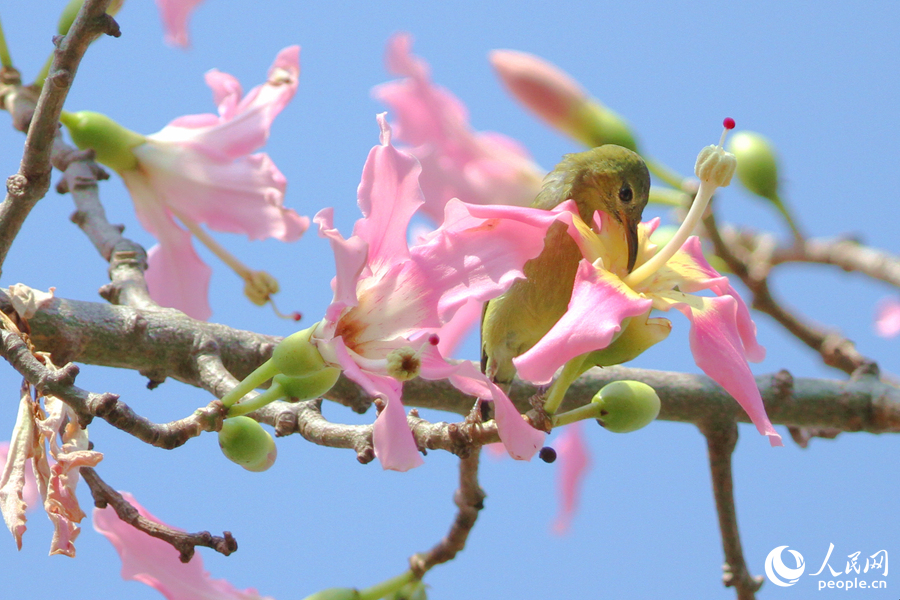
[599, 304]
[693, 273]
[394, 444]
[242, 196]
[155, 563]
[887, 318]
[243, 126]
[350, 260]
[521, 440]
[177, 278]
[479, 251]
[454, 332]
[457, 162]
[388, 196]
[573, 458]
[719, 351]
[175, 15]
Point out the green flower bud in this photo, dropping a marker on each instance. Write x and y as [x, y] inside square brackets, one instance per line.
[757, 165]
[599, 125]
[414, 590]
[245, 442]
[296, 355]
[309, 386]
[626, 406]
[335, 594]
[111, 142]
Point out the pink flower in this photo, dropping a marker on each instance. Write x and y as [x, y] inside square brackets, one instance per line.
[574, 461]
[457, 162]
[175, 15]
[156, 563]
[390, 299]
[199, 169]
[605, 300]
[887, 318]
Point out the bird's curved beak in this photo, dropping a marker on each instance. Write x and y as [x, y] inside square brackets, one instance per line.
[631, 238]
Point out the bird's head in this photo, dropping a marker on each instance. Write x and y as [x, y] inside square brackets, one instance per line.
[608, 178]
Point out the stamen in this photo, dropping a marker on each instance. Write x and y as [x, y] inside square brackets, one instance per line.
[714, 168]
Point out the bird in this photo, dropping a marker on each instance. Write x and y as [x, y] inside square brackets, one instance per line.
[608, 178]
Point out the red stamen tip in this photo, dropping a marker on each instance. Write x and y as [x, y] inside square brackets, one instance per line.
[728, 123]
[296, 316]
[434, 339]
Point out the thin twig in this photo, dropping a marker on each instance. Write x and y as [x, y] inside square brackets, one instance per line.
[87, 405]
[721, 438]
[32, 181]
[185, 543]
[469, 500]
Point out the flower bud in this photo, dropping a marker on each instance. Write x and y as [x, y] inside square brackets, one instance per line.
[111, 142]
[245, 442]
[556, 98]
[309, 386]
[414, 590]
[757, 165]
[626, 406]
[335, 594]
[296, 355]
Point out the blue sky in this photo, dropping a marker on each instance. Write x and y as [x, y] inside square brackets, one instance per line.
[823, 84]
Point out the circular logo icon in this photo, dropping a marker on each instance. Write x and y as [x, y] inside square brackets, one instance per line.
[781, 574]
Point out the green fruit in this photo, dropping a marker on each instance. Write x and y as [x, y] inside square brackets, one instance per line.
[757, 165]
[297, 355]
[626, 406]
[311, 386]
[245, 442]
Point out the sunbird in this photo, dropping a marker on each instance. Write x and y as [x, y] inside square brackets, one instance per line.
[610, 179]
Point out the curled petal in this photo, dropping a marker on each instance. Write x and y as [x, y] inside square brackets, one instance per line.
[156, 563]
[388, 196]
[719, 352]
[599, 304]
[350, 260]
[13, 474]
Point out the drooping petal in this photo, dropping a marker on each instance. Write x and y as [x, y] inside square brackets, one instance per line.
[176, 277]
[29, 491]
[12, 477]
[599, 304]
[175, 15]
[394, 444]
[719, 352]
[388, 196]
[887, 319]
[457, 162]
[573, 458]
[155, 562]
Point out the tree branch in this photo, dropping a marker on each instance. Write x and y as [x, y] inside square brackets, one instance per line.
[469, 500]
[185, 543]
[32, 181]
[721, 439]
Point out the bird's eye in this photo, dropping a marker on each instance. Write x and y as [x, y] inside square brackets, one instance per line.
[625, 194]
